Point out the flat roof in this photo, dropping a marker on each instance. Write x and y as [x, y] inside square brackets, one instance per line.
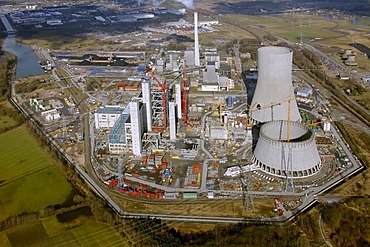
[110, 110]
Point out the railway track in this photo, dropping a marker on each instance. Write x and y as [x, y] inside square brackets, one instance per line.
[351, 110]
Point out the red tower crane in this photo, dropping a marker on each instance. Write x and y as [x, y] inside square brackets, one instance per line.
[184, 102]
[164, 101]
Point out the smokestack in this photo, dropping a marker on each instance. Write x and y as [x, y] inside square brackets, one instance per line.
[196, 41]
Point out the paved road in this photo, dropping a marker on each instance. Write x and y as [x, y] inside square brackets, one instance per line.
[323, 235]
[335, 66]
[6, 23]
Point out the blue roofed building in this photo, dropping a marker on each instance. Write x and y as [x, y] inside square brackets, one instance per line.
[305, 92]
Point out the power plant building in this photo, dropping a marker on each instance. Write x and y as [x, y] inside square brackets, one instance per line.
[137, 125]
[117, 137]
[146, 91]
[274, 90]
[178, 100]
[106, 117]
[212, 81]
[172, 120]
[189, 55]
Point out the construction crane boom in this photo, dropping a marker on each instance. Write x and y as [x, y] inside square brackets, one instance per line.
[288, 134]
[257, 107]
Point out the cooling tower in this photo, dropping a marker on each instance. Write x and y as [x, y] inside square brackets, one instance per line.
[274, 85]
[269, 149]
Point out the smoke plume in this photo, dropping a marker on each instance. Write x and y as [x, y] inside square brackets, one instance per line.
[188, 3]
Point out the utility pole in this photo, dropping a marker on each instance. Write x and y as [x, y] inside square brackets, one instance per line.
[248, 204]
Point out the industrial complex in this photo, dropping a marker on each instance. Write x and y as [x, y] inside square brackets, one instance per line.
[183, 125]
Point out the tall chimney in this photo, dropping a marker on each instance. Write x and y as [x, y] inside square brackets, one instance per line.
[196, 41]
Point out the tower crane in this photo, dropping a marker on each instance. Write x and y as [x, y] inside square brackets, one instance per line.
[164, 95]
[286, 164]
[320, 122]
[257, 107]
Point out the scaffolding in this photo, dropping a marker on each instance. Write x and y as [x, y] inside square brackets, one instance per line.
[159, 102]
[151, 140]
[159, 120]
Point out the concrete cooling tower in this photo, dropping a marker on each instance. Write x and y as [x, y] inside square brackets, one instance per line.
[274, 85]
[269, 149]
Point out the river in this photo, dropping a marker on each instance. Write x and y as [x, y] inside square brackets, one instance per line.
[27, 62]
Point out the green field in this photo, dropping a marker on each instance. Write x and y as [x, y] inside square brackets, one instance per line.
[65, 40]
[29, 181]
[7, 122]
[225, 32]
[49, 232]
[332, 31]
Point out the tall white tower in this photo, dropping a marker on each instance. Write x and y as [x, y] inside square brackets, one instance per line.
[178, 100]
[196, 41]
[172, 120]
[136, 128]
[147, 103]
[274, 85]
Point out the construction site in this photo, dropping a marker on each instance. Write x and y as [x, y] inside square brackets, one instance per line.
[188, 125]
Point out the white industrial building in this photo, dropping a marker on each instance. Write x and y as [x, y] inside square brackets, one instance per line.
[189, 56]
[50, 115]
[106, 117]
[305, 92]
[211, 55]
[117, 137]
[136, 109]
[172, 120]
[146, 95]
[212, 81]
[218, 132]
[178, 100]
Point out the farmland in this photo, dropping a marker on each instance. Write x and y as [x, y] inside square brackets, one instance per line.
[25, 169]
[329, 31]
[50, 232]
[6, 122]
